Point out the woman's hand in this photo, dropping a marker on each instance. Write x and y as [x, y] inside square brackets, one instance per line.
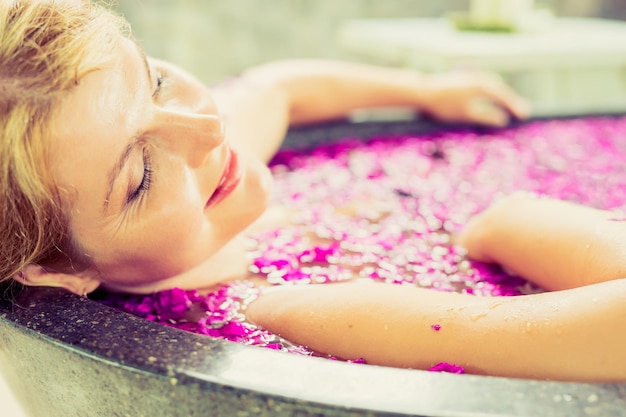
[471, 97]
[556, 244]
[481, 235]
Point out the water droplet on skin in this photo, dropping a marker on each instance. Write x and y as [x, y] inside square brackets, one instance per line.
[477, 316]
[529, 327]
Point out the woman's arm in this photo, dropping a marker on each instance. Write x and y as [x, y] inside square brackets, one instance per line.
[263, 101]
[553, 243]
[577, 335]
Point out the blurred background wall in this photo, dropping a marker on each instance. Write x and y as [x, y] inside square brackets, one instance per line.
[217, 38]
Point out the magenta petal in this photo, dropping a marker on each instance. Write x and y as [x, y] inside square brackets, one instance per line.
[274, 346]
[447, 367]
[234, 328]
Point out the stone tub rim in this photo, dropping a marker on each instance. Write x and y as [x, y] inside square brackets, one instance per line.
[58, 317]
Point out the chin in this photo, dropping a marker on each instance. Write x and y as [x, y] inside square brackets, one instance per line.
[258, 184]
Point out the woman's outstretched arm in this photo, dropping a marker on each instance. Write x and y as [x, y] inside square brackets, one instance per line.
[576, 335]
[264, 100]
[554, 243]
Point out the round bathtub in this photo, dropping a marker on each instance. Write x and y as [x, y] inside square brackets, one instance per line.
[64, 355]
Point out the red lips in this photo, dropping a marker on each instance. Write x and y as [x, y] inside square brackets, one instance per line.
[229, 180]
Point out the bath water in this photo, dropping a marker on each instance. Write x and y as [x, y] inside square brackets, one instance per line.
[387, 209]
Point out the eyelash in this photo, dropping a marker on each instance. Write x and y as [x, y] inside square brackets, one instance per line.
[146, 180]
[160, 79]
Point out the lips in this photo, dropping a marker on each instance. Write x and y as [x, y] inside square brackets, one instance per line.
[229, 180]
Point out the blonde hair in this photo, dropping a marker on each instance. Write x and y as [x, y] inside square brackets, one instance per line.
[46, 46]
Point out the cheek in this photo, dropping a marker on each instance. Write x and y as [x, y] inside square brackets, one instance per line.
[180, 229]
[165, 227]
[179, 221]
[176, 240]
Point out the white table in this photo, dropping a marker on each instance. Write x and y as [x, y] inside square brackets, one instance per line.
[573, 66]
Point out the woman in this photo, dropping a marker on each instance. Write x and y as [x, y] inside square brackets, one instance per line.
[119, 171]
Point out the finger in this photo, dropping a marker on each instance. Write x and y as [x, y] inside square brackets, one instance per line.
[485, 112]
[472, 238]
[501, 94]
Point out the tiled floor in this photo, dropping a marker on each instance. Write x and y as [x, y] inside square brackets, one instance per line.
[9, 405]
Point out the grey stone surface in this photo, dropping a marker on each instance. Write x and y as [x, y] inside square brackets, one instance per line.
[68, 356]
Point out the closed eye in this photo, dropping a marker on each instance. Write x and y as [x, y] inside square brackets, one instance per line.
[160, 79]
[146, 180]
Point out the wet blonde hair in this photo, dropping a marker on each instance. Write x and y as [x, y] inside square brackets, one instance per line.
[46, 47]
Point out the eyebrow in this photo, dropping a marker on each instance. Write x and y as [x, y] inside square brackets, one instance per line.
[125, 155]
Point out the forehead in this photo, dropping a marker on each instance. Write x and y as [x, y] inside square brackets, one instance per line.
[95, 121]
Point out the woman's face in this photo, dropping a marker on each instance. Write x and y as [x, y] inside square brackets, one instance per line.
[155, 188]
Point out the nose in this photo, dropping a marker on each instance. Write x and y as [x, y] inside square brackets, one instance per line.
[191, 135]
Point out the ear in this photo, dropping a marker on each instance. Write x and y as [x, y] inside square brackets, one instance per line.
[81, 283]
